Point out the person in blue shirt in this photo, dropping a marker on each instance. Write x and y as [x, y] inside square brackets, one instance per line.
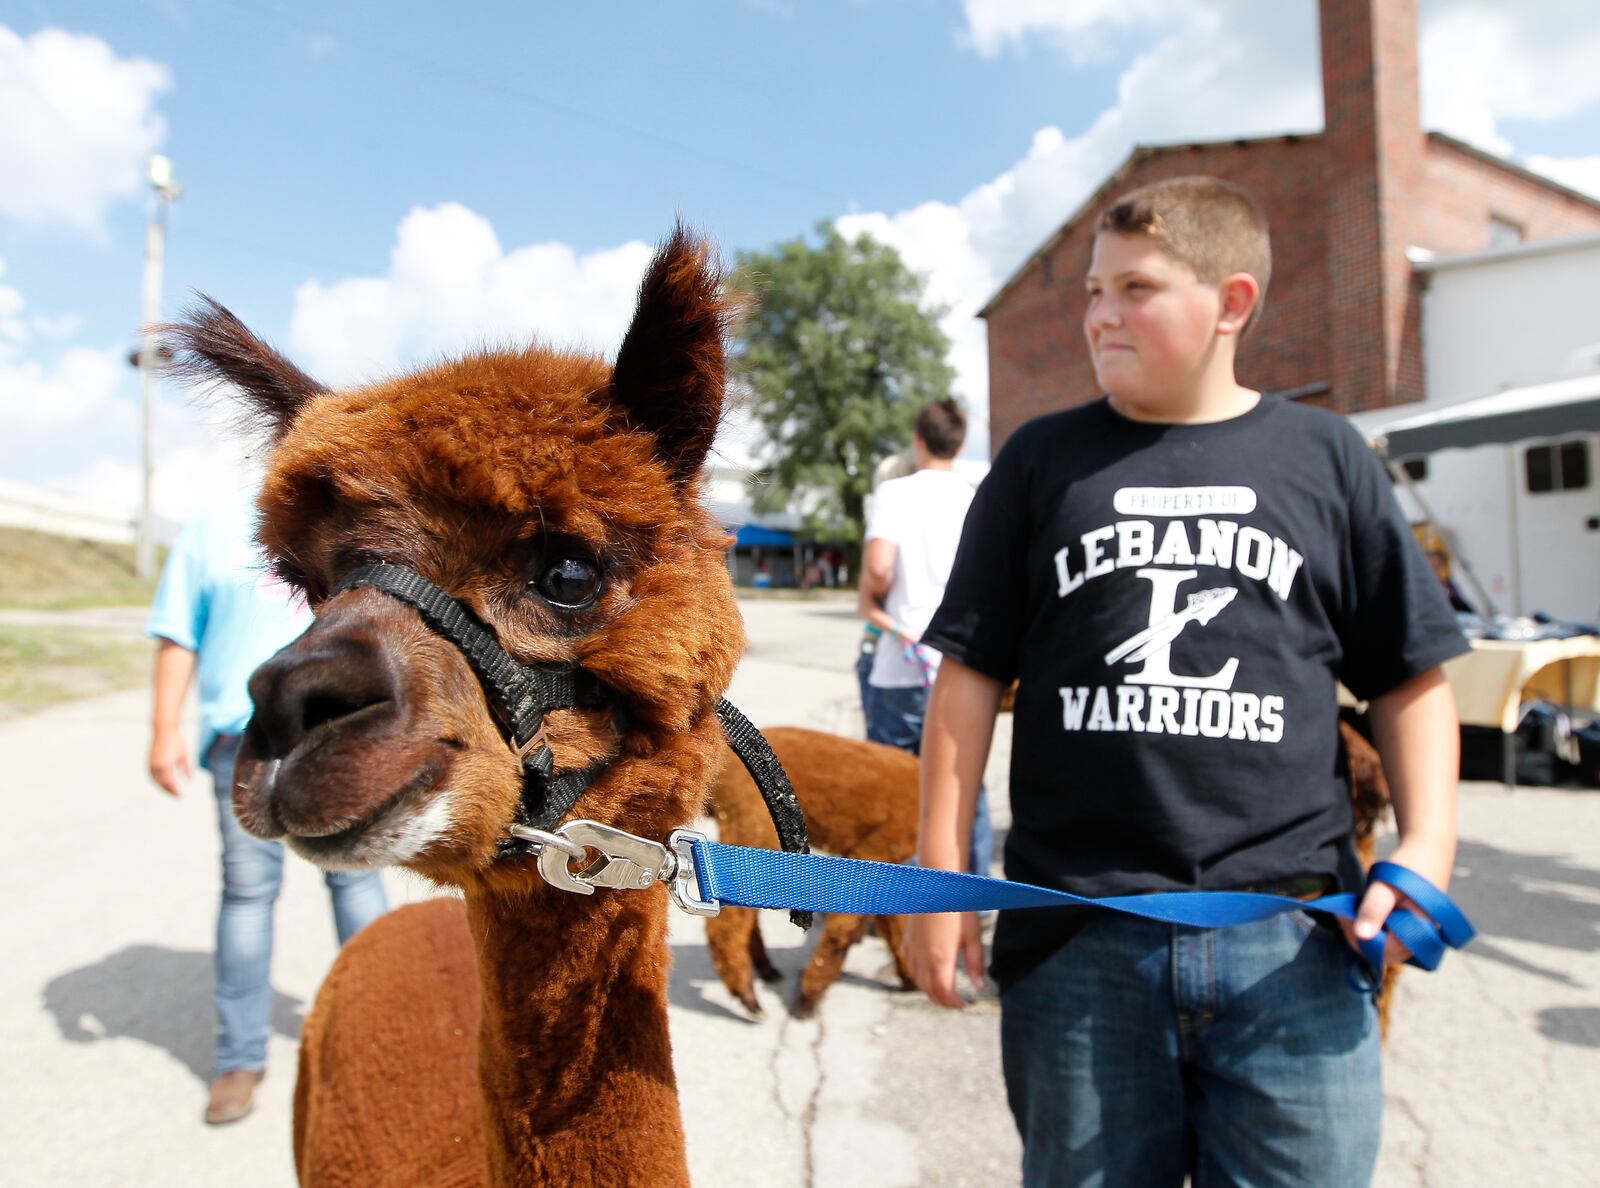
[218, 614]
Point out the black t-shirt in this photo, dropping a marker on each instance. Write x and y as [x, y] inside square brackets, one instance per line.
[1177, 603]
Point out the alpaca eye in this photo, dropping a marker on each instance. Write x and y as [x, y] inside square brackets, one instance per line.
[571, 582]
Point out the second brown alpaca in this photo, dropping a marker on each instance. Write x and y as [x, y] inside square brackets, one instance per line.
[860, 801]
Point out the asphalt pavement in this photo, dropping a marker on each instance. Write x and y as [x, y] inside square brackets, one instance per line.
[108, 898]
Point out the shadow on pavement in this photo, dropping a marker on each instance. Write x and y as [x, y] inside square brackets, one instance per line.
[1544, 898]
[158, 996]
[837, 611]
[691, 966]
[1571, 1025]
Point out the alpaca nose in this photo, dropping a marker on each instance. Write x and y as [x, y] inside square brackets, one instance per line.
[337, 683]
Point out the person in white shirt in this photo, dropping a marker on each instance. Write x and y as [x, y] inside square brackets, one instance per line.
[911, 542]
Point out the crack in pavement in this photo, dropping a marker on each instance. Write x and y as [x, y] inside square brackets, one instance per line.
[808, 1122]
[806, 1119]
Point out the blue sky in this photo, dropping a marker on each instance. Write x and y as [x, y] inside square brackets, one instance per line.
[372, 185]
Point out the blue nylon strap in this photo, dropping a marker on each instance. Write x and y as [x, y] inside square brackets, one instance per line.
[748, 877]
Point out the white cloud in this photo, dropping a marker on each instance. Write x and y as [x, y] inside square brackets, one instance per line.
[79, 385]
[76, 124]
[1482, 61]
[450, 285]
[1081, 29]
[11, 323]
[58, 327]
[1487, 61]
[1580, 173]
[185, 479]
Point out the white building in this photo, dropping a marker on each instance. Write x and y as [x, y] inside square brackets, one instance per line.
[1523, 517]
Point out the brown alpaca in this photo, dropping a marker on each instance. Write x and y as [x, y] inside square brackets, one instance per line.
[518, 1035]
[1369, 801]
[860, 801]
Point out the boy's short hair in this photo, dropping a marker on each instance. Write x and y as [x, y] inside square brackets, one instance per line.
[1211, 225]
[943, 427]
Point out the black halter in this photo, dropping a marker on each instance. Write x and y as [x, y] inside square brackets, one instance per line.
[521, 694]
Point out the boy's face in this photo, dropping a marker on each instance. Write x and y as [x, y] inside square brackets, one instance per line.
[1150, 321]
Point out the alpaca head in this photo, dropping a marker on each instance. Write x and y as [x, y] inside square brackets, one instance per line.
[554, 497]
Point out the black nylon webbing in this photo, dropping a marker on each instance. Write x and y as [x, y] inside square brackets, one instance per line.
[519, 693]
[756, 754]
[545, 800]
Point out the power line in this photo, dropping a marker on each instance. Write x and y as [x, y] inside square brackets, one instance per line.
[431, 69]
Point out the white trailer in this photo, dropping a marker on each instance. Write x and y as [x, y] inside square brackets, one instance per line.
[1519, 504]
[1537, 545]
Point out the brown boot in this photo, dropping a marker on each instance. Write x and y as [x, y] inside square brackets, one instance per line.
[233, 1095]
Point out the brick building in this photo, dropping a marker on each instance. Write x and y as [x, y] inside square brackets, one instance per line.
[1342, 325]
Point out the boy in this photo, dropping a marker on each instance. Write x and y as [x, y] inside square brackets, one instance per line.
[1178, 574]
[910, 544]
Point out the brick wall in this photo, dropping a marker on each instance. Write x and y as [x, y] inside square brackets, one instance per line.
[1463, 188]
[1373, 168]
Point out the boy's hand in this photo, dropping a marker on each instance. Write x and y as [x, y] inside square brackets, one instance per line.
[933, 942]
[169, 761]
[1380, 898]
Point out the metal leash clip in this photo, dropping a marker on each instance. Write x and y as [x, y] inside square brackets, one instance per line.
[623, 862]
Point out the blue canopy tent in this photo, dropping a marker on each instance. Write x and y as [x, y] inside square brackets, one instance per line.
[754, 536]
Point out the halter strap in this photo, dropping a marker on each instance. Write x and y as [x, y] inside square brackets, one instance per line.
[520, 695]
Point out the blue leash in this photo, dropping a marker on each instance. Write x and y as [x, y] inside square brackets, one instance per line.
[746, 877]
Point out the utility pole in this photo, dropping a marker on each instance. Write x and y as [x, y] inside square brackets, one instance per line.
[167, 192]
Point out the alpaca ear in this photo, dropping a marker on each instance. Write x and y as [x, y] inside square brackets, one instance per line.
[210, 345]
[670, 369]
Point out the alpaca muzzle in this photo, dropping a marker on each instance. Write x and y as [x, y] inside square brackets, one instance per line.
[520, 695]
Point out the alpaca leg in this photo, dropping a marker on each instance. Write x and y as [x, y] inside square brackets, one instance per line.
[764, 968]
[892, 930]
[838, 935]
[728, 941]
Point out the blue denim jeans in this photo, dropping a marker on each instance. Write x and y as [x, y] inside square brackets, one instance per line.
[252, 872]
[894, 717]
[1140, 1052]
[864, 660]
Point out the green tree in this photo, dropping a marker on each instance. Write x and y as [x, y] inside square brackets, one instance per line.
[836, 357]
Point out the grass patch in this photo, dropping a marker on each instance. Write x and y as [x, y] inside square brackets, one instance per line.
[41, 666]
[40, 571]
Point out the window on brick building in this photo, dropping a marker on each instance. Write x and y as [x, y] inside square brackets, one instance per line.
[1047, 269]
[1504, 232]
[1563, 467]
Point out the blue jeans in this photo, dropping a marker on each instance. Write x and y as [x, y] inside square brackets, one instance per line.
[1139, 1052]
[252, 872]
[864, 659]
[894, 717]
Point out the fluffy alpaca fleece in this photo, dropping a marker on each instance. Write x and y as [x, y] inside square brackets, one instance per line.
[860, 801]
[518, 1035]
[1369, 803]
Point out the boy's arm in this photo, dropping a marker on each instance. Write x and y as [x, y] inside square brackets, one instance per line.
[877, 575]
[1416, 732]
[169, 753]
[955, 746]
